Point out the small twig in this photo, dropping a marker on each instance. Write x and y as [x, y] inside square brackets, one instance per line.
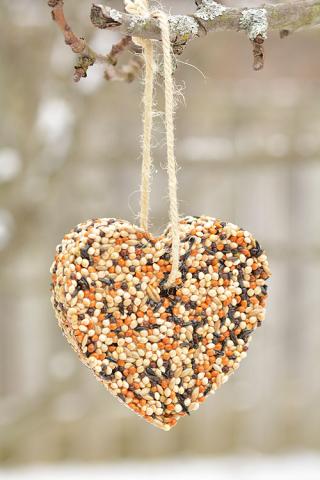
[118, 48]
[78, 45]
[82, 66]
[86, 55]
[255, 23]
[126, 73]
[258, 53]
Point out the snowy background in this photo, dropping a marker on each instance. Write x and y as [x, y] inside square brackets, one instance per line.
[248, 146]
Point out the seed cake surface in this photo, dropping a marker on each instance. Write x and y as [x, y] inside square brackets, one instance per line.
[160, 351]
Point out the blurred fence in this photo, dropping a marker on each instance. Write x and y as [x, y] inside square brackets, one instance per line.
[248, 147]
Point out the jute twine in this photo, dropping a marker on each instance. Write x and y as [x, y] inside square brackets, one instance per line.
[141, 7]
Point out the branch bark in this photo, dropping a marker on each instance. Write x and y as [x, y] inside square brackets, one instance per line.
[209, 16]
[283, 16]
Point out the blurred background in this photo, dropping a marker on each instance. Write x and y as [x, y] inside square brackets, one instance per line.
[248, 147]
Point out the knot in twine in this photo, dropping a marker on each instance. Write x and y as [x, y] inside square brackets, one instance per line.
[141, 7]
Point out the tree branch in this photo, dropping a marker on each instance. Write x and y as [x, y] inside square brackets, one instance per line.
[209, 16]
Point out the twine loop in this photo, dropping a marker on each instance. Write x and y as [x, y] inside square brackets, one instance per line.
[141, 7]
